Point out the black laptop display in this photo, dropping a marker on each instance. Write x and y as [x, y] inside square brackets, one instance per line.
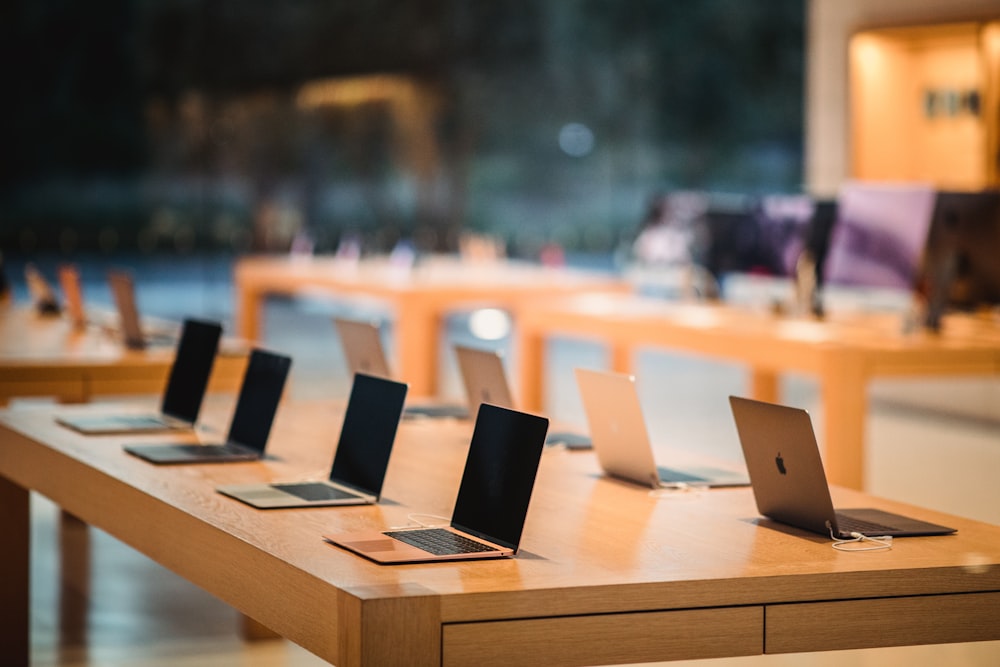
[492, 502]
[250, 427]
[183, 396]
[362, 457]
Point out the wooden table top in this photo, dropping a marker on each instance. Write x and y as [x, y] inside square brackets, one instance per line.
[702, 326]
[28, 339]
[439, 275]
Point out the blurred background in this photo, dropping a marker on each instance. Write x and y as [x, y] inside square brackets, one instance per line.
[179, 127]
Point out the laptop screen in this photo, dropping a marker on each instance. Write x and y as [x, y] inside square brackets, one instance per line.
[484, 377]
[123, 291]
[879, 236]
[368, 432]
[362, 346]
[499, 474]
[260, 393]
[191, 369]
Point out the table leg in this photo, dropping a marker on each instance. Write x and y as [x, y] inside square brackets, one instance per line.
[15, 563]
[249, 305]
[844, 392]
[74, 593]
[252, 630]
[764, 386]
[621, 358]
[531, 370]
[415, 335]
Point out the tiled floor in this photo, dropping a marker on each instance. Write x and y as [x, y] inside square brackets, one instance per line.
[140, 615]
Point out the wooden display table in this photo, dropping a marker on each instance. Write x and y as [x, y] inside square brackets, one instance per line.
[607, 573]
[844, 354]
[47, 356]
[420, 296]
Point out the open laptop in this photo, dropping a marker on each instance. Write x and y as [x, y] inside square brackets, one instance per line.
[134, 335]
[483, 379]
[42, 296]
[361, 342]
[69, 283]
[260, 393]
[789, 483]
[482, 371]
[182, 398]
[492, 502]
[359, 465]
[621, 440]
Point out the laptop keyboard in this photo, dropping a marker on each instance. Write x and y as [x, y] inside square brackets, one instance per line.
[439, 541]
[314, 491]
[852, 524]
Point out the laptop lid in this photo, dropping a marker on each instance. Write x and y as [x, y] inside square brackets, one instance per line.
[361, 460]
[619, 435]
[499, 474]
[483, 377]
[191, 369]
[187, 382]
[42, 296]
[123, 291]
[617, 425]
[260, 393]
[778, 440]
[368, 433]
[69, 283]
[362, 346]
[788, 479]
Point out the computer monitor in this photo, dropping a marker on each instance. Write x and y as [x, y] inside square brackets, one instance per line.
[961, 269]
[879, 236]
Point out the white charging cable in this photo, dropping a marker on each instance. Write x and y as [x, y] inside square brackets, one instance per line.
[859, 542]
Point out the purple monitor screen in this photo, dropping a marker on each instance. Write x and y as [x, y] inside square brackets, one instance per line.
[880, 235]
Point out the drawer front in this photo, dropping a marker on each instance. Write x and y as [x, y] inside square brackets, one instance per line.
[606, 638]
[849, 624]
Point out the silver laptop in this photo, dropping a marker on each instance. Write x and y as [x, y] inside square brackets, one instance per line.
[360, 463]
[621, 440]
[182, 397]
[483, 377]
[40, 291]
[789, 483]
[492, 502]
[361, 342]
[260, 393]
[69, 283]
[134, 335]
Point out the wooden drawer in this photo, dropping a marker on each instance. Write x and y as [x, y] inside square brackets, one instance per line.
[606, 638]
[849, 624]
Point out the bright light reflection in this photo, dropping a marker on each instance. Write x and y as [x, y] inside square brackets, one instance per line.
[489, 324]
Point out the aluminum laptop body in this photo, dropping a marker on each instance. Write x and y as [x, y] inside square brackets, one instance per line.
[361, 460]
[42, 296]
[621, 440]
[362, 345]
[183, 395]
[789, 482]
[260, 393]
[69, 283]
[133, 334]
[483, 377]
[492, 502]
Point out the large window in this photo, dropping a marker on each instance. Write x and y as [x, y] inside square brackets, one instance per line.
[239, 124]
